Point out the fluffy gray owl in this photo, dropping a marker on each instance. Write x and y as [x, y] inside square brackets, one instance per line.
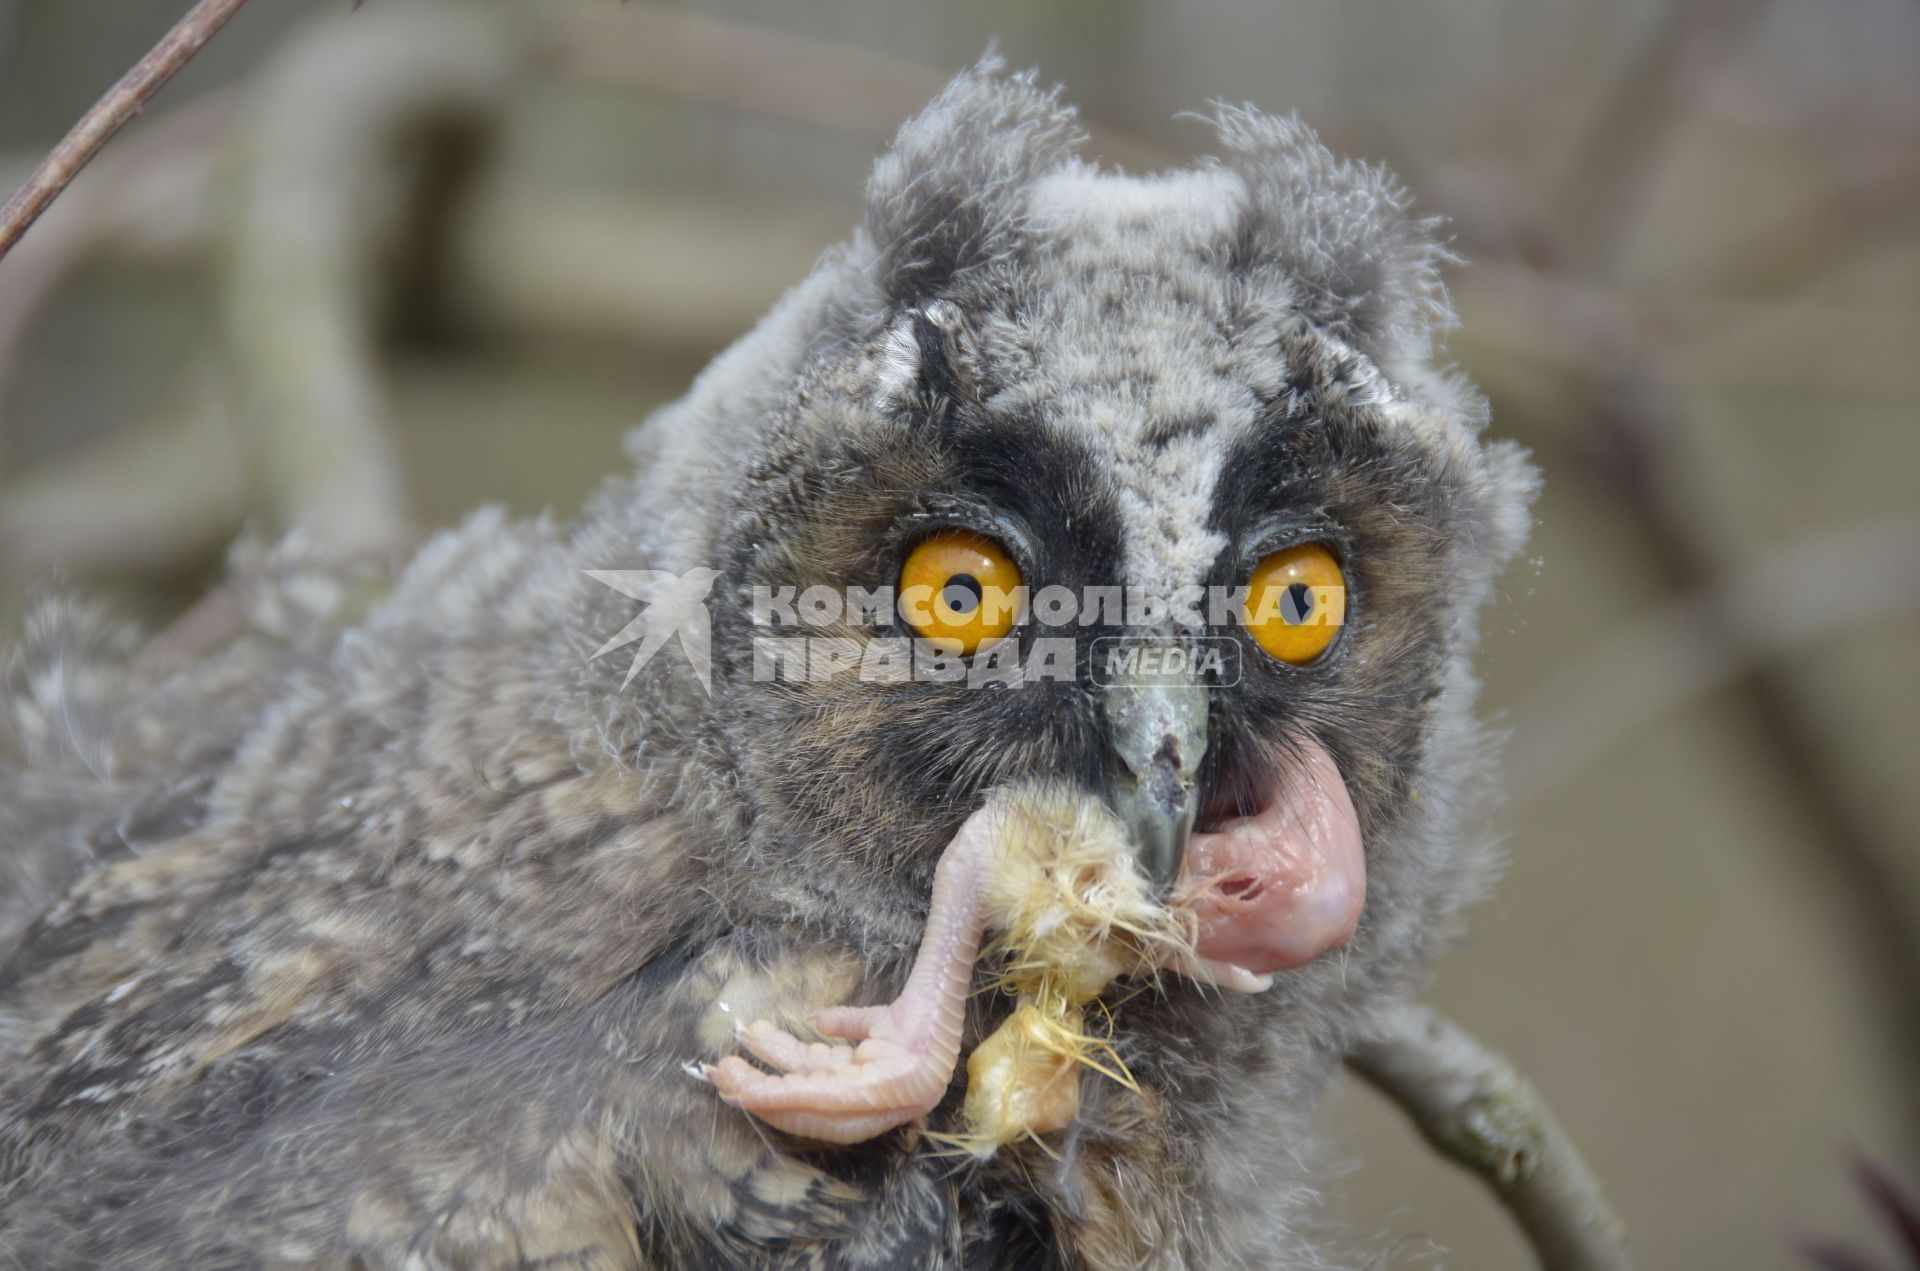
[410, 933]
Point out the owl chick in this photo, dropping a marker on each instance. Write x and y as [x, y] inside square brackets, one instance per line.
[413, 933]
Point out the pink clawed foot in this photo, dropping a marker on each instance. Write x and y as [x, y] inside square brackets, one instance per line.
[903, 1054]
[836, 1093]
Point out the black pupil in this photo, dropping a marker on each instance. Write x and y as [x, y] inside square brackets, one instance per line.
[962, 594]
[1297, 604]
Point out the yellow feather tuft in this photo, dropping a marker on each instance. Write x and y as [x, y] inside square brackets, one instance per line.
[1070, 914]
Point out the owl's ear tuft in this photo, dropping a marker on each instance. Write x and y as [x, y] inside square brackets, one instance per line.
[1360, 264]
[947, 197]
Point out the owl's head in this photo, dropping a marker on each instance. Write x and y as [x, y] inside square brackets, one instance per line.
[1137, 485]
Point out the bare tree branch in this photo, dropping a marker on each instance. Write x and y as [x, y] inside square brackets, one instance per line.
[111, 113]
[1475, 1108]
[1634, 434]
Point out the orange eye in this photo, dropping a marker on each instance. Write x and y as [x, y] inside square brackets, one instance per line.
[958, 590]
[1297, 602]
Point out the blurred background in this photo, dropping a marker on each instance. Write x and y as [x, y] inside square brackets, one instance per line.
[366, 269]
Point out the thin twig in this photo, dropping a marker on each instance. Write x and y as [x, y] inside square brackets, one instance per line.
[111, 113]
[1475, 1108]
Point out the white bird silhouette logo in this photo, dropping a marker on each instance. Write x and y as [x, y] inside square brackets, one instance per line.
[676, 605]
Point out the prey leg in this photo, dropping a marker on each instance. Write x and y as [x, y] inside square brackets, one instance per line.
[894, 1062]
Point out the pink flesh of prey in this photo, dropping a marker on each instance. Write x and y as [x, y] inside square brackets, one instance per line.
[1270, 891]
[1276, 889]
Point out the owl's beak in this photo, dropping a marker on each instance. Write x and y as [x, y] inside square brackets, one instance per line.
[1159, 729]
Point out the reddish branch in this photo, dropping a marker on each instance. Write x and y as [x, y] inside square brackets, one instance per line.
[111, 113]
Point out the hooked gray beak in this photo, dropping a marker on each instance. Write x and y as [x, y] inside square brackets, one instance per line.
[1159, 729]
